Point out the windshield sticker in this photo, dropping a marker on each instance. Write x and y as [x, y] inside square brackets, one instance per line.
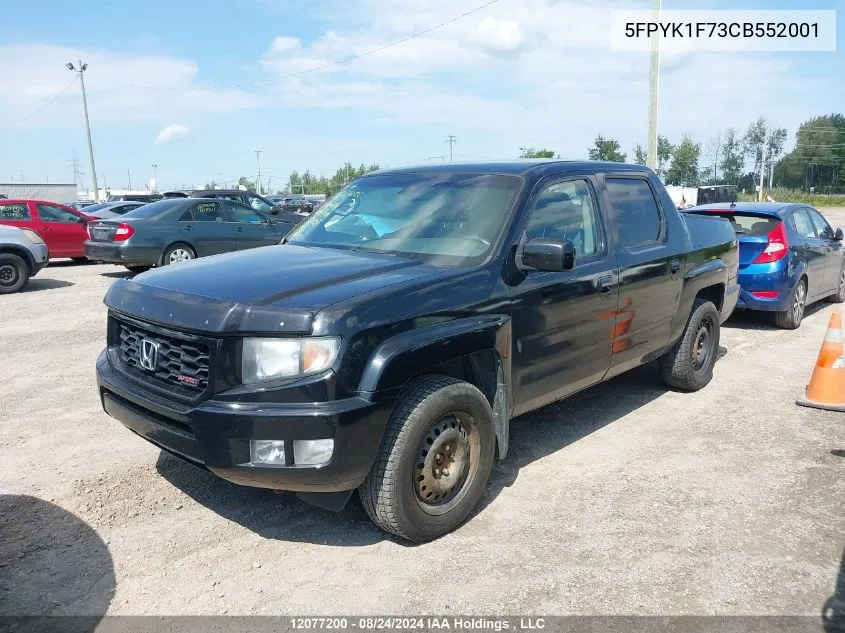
[14, 212]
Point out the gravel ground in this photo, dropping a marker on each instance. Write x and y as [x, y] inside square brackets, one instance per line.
[625, 499]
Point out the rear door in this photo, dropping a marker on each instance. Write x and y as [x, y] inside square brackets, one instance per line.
[17, 214]
[813, 250]
[205, 226]
[651, 269]
[63, 230]
[833, 250]
[252, 229]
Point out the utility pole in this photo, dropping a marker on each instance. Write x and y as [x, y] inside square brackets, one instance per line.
[653, 90]
[763, 168]
[771, 174]
[82, 69]
[258, 160]
[451, 141]
[155, 176]
[129, 176]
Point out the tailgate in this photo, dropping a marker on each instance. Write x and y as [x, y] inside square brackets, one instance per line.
[752, 230]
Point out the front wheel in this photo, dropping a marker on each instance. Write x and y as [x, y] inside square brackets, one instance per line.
[790, 319]
[14, 273]
[839, 295]
[434, 461]
[688, 365]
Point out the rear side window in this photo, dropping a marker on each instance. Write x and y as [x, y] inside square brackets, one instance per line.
[207, 212]
[803, 224]
[638, 218]
[15, 211]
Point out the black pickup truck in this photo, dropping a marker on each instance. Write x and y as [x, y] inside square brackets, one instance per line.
[389, 342]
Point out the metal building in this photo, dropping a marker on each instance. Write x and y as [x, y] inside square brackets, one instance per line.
[51, 192]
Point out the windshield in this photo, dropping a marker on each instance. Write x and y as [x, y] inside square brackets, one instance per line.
[154, 209]
[444, 219]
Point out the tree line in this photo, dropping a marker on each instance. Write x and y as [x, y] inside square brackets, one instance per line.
[306, 182]
[817, 161]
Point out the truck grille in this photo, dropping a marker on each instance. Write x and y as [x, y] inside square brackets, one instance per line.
[177, 363]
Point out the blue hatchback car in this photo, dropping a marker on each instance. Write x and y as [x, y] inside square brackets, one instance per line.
[789, 257]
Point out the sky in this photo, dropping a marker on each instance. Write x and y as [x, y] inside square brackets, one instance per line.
[197, 87]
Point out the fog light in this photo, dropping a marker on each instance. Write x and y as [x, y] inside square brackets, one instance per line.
[267, 452]
[312, 452]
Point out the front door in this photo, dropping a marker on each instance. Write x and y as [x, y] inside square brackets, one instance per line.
[813, 250]
[651, 272]
[205, 226]
[833, 251]
[252, 229]
[563, 321]
[64, 231]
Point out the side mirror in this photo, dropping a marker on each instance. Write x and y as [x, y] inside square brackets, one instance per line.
[839, 235]
[549, 255]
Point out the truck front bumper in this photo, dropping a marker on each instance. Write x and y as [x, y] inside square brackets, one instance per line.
[216, 434]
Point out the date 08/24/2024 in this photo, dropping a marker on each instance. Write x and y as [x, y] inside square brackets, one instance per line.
[723, 29]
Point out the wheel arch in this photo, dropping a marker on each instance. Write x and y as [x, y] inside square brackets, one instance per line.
[20, 251]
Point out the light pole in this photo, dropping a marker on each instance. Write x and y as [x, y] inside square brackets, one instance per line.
[82, 69]
[155, 176]
[653, 89]
[258, 160]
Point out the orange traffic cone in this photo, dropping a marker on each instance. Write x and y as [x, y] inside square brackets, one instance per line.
[827, 384]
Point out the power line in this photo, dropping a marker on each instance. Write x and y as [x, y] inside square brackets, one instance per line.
[46, 103]
[331, 64]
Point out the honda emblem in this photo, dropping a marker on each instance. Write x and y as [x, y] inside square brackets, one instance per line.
[148, 354]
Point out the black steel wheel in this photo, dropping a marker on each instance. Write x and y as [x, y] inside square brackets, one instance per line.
[14, 273]
[688, 365]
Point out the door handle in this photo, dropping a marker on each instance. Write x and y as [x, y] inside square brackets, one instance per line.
[674, 266]
[239, 229]
[605, 286]
[189, 228]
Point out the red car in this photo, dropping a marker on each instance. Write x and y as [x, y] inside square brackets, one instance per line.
[62, 228]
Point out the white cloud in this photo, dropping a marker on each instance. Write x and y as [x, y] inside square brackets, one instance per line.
[171, 132]
[497, 36]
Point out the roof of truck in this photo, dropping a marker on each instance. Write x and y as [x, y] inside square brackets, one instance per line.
[515, 167]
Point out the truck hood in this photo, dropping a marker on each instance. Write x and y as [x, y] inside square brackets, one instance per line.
[264, 290]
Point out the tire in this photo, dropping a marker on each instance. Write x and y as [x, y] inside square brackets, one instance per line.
[790, 319]
[139, 268]
[14, 273]
[409, 491]
[179, 250]
[839, 295]
[688, 365]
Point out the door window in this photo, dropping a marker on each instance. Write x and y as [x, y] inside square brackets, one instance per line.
[207, 212]
[49, 213]
[259, 205]
[566, 211]
[803, 224]
[15, 211]
[823, 229]
[638, 217]
[242, 213]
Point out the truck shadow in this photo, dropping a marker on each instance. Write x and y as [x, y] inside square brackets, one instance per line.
[833, 610]
[533, 436]
[51, 564]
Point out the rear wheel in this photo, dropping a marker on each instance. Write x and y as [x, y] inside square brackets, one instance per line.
[688, 365]
[177, 253]
[14, 273]
[790, 319]
[434, 461]
[839, 295]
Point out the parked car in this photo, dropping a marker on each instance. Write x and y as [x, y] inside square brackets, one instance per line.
[80, 205]
[253, 200]
[22, 255]
[388, 343]
[112, 209]
[789, 257]
[176, 194]
[180, 229]
[62, 228]
[136, 197]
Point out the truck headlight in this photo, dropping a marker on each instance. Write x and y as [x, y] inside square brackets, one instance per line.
[266, 359]
[33, 236]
